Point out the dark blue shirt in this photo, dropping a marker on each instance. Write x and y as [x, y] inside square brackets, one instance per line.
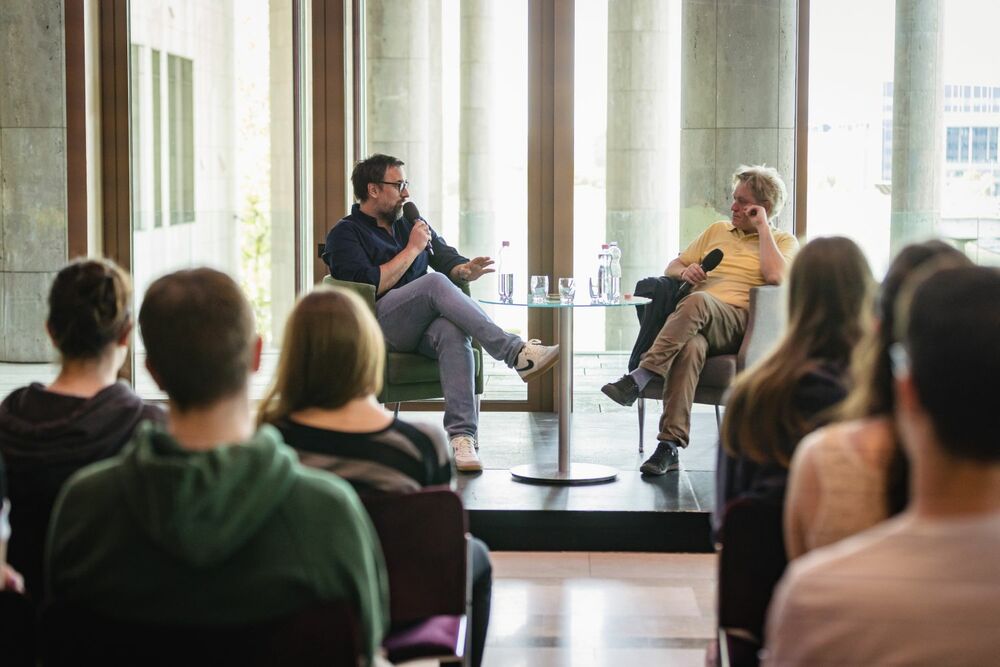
[356, 247]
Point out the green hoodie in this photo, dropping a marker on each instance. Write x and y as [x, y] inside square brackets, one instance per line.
[235, 535]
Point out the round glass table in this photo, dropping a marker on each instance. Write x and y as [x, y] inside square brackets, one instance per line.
[565, 471]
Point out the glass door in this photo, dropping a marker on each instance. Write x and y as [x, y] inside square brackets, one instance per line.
[212, 152]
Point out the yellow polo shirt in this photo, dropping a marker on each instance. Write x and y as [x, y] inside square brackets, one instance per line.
[730, 282]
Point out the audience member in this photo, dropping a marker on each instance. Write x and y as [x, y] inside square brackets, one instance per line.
[775, 403]
[713, 317]
[339, 425]
[10, 579]
[848, 476]
[920, 588]
[49, 432]
[206, 522]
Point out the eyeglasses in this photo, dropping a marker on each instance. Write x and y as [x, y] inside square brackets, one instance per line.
[400, 185]
[900, 360]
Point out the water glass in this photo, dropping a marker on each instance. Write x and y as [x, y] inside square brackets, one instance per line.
[505, 286]
[595, 290]
[567, 290]
[538, 288]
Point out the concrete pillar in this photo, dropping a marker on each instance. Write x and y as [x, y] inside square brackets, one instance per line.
[476, 173]
[398, 78]
[434, 190]
[282, 166]
[917, 119]
[737, 103]
[33, 212]
[638, 137]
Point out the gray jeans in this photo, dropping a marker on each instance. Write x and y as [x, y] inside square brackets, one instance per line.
[432, 316]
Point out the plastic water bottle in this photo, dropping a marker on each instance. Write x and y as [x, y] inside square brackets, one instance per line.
[616, 272]
[505, 277]
[604, 274]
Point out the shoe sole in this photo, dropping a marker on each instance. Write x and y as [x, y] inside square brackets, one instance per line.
[657, 472]
[469, 467]
[618, 398]
[540, 369]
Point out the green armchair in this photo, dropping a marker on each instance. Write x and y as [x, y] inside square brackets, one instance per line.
[409, 376]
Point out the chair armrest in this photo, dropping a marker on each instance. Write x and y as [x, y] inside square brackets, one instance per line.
[765, 324]
[364, 290]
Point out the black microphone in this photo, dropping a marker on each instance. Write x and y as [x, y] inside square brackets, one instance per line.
[712, 260]
[411, 214]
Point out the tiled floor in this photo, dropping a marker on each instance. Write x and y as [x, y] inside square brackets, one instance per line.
[590, 609]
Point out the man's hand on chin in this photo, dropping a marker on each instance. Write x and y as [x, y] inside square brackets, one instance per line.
[757, 215]
[474, 269]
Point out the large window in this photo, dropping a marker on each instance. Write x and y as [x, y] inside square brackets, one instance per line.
[851, 126]
[446, 91]
[211, 146]
[626, 156]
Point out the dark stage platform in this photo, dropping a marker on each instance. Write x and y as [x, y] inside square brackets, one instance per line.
[634, 513]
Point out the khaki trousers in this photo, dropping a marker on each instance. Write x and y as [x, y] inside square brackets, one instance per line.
[699, 326]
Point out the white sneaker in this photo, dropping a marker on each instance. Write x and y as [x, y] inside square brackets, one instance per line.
[466, 458]
[535, 358]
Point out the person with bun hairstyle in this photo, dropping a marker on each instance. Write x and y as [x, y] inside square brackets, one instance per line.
[49, 432]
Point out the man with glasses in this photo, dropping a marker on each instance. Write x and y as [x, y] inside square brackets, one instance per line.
[712, 318]
[421, 311]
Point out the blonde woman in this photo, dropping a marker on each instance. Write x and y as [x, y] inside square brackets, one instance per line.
[323, 400]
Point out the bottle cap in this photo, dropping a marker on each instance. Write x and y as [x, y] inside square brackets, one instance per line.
[604, 246]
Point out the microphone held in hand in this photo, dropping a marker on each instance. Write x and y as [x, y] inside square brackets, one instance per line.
[712, 260]
[412, 215]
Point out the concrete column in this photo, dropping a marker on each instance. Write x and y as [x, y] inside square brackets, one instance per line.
[737, 103]
[433, 192]
[398, 78]
[638, 137]
[476, 206]
[917, 119]
[282, 177]
[33, 212]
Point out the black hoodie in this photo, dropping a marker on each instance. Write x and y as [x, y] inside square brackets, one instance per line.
[44, 438]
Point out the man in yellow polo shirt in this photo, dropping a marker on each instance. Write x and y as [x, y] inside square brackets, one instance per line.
[713, 317]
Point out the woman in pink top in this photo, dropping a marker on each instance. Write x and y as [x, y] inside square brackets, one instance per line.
[851, 475]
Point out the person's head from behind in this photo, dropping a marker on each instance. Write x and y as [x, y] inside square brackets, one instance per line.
[90, 311]
[760, 185]
[946, 364]
[332, 354]
[201, 345]
[829, 288]
[871, 371]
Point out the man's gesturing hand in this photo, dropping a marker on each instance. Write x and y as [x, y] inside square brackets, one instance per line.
[420, 236]
[473, 269]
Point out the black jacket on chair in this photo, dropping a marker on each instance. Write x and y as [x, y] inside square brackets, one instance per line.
[663, 291]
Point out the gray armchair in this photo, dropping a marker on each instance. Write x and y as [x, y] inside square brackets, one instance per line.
[764, 326]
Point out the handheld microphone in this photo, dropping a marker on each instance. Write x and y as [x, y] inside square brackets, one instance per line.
[712, 260]
[411, 214]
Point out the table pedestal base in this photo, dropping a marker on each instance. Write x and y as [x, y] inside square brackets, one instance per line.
[576, 473]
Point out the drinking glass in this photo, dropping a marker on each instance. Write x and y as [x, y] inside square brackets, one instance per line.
[538, 288]
[567, 290]
[505, 286]
[595, 290]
